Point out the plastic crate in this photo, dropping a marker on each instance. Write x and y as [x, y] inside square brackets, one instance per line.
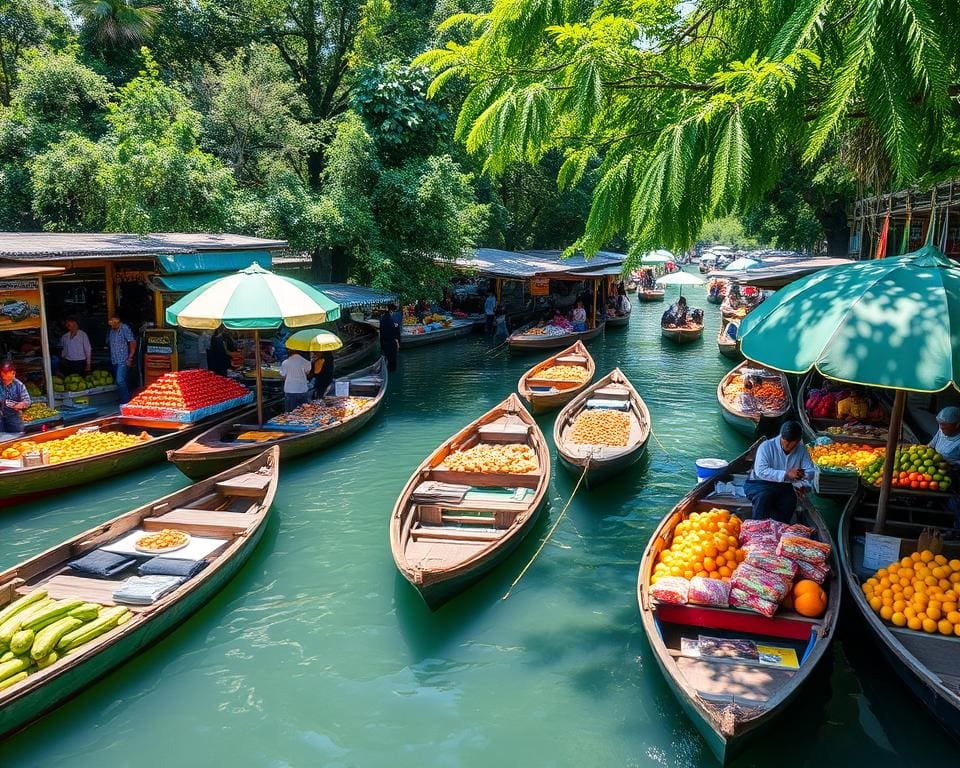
[185, 417]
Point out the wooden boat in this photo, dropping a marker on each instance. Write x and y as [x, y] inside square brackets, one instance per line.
[457, 329]
[727, 314]
[220, 447]
[358, 347]
[682, 334]
[18, 484]
[620, 321]
[546, 394]
[233, 507]
[814, 427]
[729, 347]
[449, 529]
[651, 294]
[521, 341]
[728, 701]
[747, 423]
[631, 286]
[604, 460]
[927, 663]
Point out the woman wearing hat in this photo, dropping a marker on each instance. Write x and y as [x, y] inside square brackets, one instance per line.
[14, 399]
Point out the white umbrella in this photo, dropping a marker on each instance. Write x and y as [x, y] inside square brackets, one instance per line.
[656, 257]
[738, 265]
[681, 279]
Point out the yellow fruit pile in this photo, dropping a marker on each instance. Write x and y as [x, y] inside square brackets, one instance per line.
[563, 373]
[511, 458]
[920, 592]
[601, 427]
[706, 544]
[39, 411]
[82, 444]
[844, 455]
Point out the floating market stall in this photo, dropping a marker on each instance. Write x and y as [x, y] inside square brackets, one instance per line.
[883, 323]
[361, 341]
[767, 397]
[691, 330]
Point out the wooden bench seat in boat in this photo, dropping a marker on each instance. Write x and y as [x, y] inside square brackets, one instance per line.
[499, 432]
[502, 516]
[86, 588]
[538, 381]
[571, 360]
[612, 393]
[732, 681]
[251, 484]
[200, 522]
[788, 625]
[454, 533]
[484, 479]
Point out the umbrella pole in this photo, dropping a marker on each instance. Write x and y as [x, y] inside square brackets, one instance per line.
[256, 357]
[893, 438]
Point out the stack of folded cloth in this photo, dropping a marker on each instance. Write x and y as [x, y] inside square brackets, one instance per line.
[169, 566]
[102, 563]
[145, 590]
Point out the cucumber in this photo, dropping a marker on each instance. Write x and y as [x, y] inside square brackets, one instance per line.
[51, 613]
[43, 663]
[109, 618]
[22, 641]
[14, 624]
[13, 680]
[7, 656]
[13, 667]
[48, 637]
[18, 605]
[86, 612]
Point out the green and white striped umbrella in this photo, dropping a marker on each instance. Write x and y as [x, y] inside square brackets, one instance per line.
[252, 299]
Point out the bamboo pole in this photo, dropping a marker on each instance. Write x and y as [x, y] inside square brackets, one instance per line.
[893, 438]
[45, 344]
[256, 357]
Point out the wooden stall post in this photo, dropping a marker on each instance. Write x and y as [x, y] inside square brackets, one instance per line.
[111, 289]
[45, 344]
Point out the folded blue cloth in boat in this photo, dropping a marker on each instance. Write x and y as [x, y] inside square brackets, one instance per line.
[613, 405]
[102, 563]
[144, 590]
[170, 566]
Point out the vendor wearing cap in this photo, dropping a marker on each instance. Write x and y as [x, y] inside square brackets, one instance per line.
[947, 440]
[14, 399]
[782, 469]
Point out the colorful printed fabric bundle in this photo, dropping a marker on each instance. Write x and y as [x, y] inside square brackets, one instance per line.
[802, 548]
[817, 572]
[752, 602]
[798, 529]
[751, 530]
[771, 563]
[712, 592]
[754, 581]
[671, 589]
[761, 543]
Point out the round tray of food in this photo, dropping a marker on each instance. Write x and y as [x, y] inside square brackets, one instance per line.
[161, 542]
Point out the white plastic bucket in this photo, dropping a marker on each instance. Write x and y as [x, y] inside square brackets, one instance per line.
[709, 467]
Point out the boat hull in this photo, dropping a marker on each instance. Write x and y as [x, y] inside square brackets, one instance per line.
[649, 296]
[681, 335]
[357, 357]
[600, 472]
[536, 343]
[744, 425]
[618, 322]
[409, 340]
[19, 713]
[714, 299]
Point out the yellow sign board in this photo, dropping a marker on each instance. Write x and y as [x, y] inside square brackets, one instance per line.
[540, 286]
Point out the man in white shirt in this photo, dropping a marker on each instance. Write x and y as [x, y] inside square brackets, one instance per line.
[74, 350]
[294, 371]
[782, 469]
[489, 310]
[947, 440]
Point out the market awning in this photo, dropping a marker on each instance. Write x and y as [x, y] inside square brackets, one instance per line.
[527, 264]
[611, 271]
[183, 283]
[8, 271]
[349, 296]
[221, 261]
[779, 275]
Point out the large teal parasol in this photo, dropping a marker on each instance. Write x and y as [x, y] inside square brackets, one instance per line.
[253, 299]
[892, 323]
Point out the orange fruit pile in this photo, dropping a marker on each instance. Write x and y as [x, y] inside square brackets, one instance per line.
[705, 544]
[920, 592]
[806, 598]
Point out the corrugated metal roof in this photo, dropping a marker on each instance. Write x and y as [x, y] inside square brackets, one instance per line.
[348, 295]
[24, 246]
[522, 265]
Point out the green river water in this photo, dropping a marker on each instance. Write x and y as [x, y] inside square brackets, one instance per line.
[320, 654]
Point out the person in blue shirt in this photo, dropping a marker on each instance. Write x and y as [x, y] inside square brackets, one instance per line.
[14, 399]
[489, 311]
[782, 470]
[123, 350]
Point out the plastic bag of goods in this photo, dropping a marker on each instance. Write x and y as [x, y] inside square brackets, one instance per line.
[802, 548]
[817, 572]
[766, 543]
[753, 529]
[712, 592]
[797, 529]
[752, 602]
[771, 563]
[753, 581]
[671, 589]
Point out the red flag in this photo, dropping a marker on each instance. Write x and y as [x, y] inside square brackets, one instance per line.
[882, 244]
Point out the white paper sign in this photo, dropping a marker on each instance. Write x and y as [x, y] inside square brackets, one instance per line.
[880, 551]
[341, 388]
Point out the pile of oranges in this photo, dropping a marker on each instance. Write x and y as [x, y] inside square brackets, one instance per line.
[920, 592]
[705, 544]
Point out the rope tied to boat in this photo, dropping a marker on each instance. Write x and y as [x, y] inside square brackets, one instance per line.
[550, 532]
[664, 449]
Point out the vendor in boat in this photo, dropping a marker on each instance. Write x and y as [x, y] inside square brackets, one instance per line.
[322, 366]
[14, 399]
[946, 441]
[676, 314]
[218, 354]
[746, 400]
[579, 317]
[390, 337]
[782, 470]
[296, 390]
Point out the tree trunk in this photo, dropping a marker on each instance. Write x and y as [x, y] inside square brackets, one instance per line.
[837, 229]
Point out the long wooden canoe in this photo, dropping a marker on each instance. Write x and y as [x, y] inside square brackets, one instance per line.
[522, 341]
[604, 460]
[729, 347]
[651, 294]
[233, 507]
[358, 348]
[449, 529]
[546, 394]
[814, 427]
[620, 321]
[746, 423]
[20, 484]
[729, 701]
[682, 334]
[219, 447]
[929, 664]
[457, 329]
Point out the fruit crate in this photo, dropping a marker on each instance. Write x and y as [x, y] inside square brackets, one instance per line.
[93, 396]
[37, 424]
[836, 482]
[185, 417]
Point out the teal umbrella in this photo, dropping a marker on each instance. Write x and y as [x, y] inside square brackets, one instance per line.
[892, 323]
[253, 299]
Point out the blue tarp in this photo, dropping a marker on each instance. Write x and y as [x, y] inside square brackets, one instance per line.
[212, 261]
[347, 295]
